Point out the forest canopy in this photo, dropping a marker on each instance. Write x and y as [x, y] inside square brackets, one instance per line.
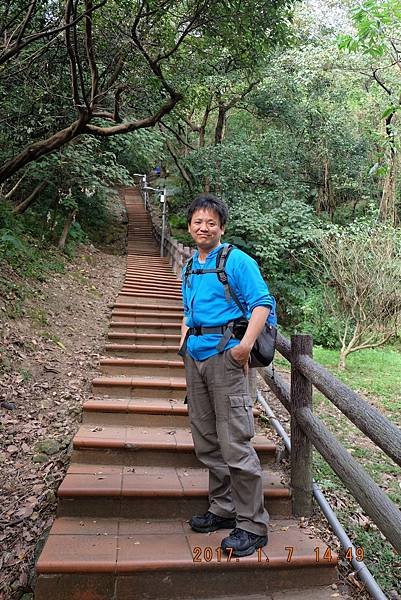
[288, 110]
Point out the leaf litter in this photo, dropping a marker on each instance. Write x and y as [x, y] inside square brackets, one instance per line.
[46, 369]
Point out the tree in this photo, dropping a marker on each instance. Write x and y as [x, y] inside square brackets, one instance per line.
[125, 65]
[360, 266]
[377, 24]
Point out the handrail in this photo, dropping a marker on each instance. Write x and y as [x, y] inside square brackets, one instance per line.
[367, 418]
[370, 496]
[177, 253]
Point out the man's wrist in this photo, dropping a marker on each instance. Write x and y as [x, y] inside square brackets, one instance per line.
[246, 345]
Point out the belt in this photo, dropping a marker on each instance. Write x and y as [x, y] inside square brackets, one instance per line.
[225, 330]
[205, 330]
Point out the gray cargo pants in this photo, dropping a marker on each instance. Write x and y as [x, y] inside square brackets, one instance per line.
[220, 413]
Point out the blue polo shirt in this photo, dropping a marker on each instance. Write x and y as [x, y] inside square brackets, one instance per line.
[205, 303]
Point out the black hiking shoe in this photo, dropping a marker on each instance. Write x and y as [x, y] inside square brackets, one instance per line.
[243, 542]
[210, 522]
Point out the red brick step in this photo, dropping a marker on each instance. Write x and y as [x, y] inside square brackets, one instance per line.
[140, 445]
[150, 492]
[128, 559]
[168, 352]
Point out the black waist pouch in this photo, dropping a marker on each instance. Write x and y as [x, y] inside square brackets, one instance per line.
[262, 353]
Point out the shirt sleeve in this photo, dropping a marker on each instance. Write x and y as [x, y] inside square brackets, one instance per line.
[250, 283]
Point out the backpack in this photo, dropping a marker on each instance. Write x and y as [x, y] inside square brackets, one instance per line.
[262, 353]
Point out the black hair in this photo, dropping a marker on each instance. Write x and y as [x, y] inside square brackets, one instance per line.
[209, 202]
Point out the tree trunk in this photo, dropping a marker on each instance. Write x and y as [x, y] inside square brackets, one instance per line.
[202, 128]
[41, 148]
[220, 125]
[180, 167]
[22, 206]
[67, 226]
[342, 358]
[387, 209]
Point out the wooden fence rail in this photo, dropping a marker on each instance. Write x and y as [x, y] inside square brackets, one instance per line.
[308, 430]
[367, 418]
[385, 514]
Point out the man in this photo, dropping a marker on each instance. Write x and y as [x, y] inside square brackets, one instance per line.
[216, 364]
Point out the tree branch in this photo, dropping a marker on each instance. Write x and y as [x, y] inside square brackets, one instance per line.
[17, 47]
[78, 60]
[28, 17]
[177, 136]
[180, 167]
[381, 82]
[133, 125]
[22, 206]
[71, 54]
[90, 53]
[182, 37]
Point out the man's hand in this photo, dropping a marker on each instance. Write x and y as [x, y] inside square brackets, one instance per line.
[240, 354]
[256, 323]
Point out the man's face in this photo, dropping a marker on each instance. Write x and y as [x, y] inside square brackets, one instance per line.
[205, 229]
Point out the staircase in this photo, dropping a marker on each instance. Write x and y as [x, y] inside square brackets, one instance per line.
[121, 531]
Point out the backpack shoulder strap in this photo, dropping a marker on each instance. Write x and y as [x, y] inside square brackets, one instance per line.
[221, 260]
[187, 272]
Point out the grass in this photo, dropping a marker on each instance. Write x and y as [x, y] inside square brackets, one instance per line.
[375, 374]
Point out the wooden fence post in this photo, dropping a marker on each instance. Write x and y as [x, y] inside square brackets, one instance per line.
[301, 447]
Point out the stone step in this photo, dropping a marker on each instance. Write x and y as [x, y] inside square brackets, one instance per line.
[168, 284]
[150, 492]
[155, 289]
[122, 316]
[145, 338]
[145, 351]
[150, 298]
[144, 412]
[141, 366]
[145, 327]
[148, 251]
[153, 446]
[132, 306]
[147, 387]
[134, 559]
[144, 249]
[137, 259]
[144, 301]
[154, 276]
[160, 260]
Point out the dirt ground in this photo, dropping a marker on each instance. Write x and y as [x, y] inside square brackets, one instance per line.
[47, 361]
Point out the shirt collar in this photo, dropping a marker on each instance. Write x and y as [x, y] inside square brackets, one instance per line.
[211, 254]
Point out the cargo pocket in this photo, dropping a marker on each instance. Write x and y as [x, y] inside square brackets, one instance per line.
[241, 423]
